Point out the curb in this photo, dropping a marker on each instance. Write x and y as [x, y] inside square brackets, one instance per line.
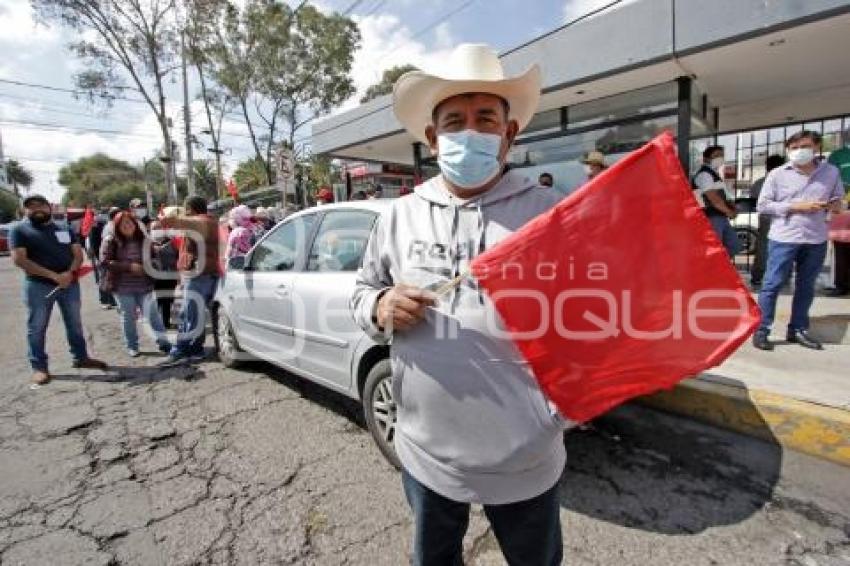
[814, 429]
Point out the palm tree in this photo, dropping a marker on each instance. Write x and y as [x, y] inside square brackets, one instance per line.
[205, 180]
[18, 175]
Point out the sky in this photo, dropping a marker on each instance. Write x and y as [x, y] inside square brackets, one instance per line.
[46, 129]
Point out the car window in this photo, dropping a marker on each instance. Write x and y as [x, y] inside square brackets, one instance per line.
[279, 250]
[341, 240]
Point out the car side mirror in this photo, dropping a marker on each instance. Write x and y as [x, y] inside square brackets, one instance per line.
[236, 263]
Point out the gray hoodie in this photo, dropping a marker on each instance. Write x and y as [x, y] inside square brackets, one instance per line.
[472, 423]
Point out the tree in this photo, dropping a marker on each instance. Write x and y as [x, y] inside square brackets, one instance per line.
[206, 182]
[9, 206]
[103, 181]
[387, 82]
[17, 175]
[250, 174]
[120, 39]
[282, 66]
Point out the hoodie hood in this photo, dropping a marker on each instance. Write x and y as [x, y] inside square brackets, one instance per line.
[512, 183]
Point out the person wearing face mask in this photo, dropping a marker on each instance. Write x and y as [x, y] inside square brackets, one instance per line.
[472, 424]
[546, 180]
[841, 159]
[594, 164]
[797, 196]
[49, 255]
[710, 188]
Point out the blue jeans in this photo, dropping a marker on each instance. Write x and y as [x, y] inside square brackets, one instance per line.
[198, 293]
[781, 258]
[146, 303]
[529, 532]
[39, 308]
[725, 233]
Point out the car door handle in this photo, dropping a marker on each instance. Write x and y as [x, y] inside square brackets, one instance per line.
[282, 291]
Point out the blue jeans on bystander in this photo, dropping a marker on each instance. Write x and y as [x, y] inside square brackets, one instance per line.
[781, 259]
[131, 303]
[529, 532]
[198, 293]
[39, 309]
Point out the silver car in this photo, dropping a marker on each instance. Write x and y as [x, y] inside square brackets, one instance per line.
[286, 302]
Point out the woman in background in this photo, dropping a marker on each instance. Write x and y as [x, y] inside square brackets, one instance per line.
[126, 277]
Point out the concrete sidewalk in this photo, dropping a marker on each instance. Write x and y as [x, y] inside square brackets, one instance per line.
[796, 397]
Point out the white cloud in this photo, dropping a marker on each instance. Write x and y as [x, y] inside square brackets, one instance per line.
[19, 27]
[387, 42]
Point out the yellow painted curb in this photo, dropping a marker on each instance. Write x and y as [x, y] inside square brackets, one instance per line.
[798, 425]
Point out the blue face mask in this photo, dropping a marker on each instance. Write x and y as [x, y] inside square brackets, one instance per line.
[469, 159]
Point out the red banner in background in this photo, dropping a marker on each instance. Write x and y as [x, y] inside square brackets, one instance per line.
[233, 190]
[620, 290]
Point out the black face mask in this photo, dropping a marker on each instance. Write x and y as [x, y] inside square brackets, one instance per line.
[39, 217]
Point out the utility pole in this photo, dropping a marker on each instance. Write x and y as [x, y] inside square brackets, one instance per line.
[187, 119]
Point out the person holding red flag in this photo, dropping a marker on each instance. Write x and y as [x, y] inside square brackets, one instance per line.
[50, 258]
[473, 426]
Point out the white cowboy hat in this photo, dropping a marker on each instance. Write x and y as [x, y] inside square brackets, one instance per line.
[472, 67]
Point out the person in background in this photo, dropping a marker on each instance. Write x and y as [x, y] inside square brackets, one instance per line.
[109, 229]
[324, 196]
[760, 260]
[359, 195]
[379, 192]
[199, 265]
[404, 191]
[594, 164]
[49, 257]
[132, 286]
[546, 180]
[797, 196]
[93, 244]
[264, 220]
[166, 277]
[241, 236]
[709, 184]
[841, 159]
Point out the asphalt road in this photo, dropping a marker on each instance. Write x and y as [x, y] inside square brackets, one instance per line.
[211, 466]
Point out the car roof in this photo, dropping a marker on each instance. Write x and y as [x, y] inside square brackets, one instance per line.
[381, 206]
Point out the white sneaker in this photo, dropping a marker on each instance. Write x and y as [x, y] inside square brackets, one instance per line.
[132, 353]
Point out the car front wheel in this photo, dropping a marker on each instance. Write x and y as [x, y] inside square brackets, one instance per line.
[229, 353]
[379, 407]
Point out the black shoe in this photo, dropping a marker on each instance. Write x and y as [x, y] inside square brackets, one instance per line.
[762, 341]
[836, 292]
[804, 339]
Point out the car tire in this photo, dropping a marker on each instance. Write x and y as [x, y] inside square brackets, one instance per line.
[226, 346]
[379, 409]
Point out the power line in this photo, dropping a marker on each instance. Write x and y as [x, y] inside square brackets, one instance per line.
[73, 91]
[374, 8]
[75, 130]
[351, 7]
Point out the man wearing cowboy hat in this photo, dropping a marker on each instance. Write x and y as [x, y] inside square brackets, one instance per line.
[594, 164]
[473, 426]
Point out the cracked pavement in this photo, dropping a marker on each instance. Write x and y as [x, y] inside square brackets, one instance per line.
[142, 466]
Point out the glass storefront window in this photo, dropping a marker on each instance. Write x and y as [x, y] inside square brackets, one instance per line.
[543, 122]
[561, 156]
[624, 106]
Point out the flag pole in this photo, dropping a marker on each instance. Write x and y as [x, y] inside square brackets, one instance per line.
[451, 284]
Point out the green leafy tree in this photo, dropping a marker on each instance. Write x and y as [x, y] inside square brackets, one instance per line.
[9, 206]
[206, 181]
[125, 45]
[18, 175]
[283, 67]
[102, 181]
[387, 82]
[250, 174]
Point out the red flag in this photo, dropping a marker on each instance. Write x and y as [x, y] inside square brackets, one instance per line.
[621, 289]
[87, 222]
[233, 190]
